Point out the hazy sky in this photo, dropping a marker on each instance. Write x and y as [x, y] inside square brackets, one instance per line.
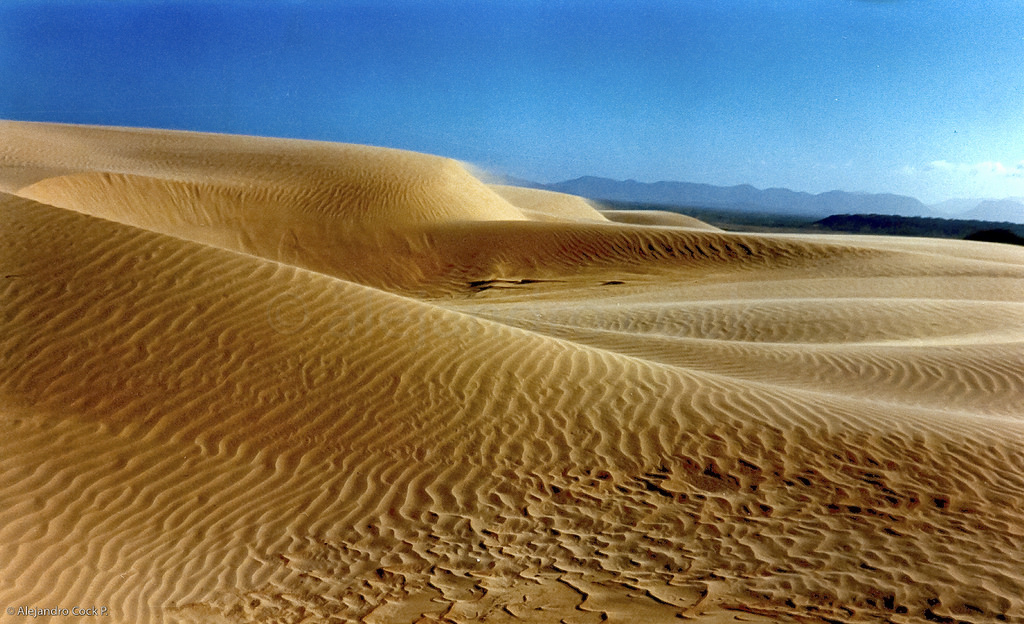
[923, 97]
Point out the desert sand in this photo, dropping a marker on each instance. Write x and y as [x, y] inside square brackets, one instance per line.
[263, 380]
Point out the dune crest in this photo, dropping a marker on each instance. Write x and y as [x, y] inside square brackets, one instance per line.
[656, 217]
[360, 185]
[234, 388]
[548, 205]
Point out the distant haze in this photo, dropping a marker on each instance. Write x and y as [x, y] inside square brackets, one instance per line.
[912, 98]
[784, 201]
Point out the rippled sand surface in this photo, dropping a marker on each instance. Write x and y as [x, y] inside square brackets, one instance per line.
[259, 380]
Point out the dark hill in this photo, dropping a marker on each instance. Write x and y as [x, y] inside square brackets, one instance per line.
[745, 198]
[997, 235]
[915, 226]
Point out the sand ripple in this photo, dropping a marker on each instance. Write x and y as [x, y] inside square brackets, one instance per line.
[481, 411]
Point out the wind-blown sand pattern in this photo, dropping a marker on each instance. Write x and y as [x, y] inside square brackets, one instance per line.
[258, 380]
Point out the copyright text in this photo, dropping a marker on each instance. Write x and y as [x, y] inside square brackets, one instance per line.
[34, 612]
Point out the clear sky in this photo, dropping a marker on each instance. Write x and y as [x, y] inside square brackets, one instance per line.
[921, 97]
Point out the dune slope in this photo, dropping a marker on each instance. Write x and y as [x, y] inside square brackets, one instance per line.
[470, 407]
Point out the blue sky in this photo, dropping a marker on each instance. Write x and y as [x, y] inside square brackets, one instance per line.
[921, 97]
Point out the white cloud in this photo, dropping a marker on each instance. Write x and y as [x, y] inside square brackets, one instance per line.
[986, 168]
[943, 179]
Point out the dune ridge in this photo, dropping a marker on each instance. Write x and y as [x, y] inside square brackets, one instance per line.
[428, 225]
[543, 418]
[548, 205]
[656, 217]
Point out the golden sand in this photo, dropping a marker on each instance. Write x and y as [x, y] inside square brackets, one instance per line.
[259, 380]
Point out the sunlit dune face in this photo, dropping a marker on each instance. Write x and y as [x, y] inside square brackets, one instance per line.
[250, 380]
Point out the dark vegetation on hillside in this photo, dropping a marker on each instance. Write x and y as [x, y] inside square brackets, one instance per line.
[998, 235]
[913, 226]
[887, 225]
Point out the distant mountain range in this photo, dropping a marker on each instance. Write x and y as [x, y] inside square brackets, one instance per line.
[784, 201]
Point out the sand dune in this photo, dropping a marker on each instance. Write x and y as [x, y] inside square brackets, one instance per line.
[655, 217]
[257, 380]
[547, 205]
